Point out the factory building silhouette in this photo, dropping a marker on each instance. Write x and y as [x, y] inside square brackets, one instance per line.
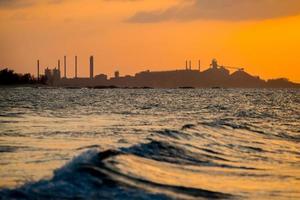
[215, 76]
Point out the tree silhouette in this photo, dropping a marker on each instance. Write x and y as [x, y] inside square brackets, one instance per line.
[9, 77]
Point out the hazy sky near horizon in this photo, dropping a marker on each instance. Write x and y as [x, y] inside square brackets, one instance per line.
[133, 35]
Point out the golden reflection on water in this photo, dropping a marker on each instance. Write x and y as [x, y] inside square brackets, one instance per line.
[46, 144]
[254, 153]
[211, 178]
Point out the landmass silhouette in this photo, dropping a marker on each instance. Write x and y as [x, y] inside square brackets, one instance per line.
[215, 76]
[9, 77]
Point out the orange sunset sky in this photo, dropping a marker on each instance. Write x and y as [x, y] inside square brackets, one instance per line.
[263, 36]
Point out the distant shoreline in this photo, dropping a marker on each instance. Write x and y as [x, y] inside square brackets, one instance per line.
[124, 88]
[24, 85]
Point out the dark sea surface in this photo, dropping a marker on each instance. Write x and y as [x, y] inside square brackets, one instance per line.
[149, 144]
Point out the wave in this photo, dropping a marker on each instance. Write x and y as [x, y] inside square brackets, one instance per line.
[134, 172]
[95, 175]
[165, 152]
[264, 131]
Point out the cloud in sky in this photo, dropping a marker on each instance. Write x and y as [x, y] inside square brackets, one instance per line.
[227, 10]
[13, 4]
[9, 4]
[188, 10]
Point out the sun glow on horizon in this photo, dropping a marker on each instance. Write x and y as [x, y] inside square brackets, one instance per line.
[107, 30]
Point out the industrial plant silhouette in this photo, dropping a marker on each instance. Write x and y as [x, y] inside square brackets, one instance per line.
[215, 76]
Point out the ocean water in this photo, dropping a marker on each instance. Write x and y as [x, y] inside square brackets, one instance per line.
[149, 144]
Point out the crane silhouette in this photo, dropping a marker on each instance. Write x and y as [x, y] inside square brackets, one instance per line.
[237, 68]
[214, 64]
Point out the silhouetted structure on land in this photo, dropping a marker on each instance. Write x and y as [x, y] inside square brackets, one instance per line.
[76, 67]
[215, 76]
[91, 67]
[38, 69]
[9, 77]
[65, 66]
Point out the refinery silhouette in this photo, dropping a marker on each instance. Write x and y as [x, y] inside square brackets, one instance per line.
[216, 76]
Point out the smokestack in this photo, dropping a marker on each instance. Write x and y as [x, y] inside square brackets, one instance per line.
[91, 67]
[65, 66]
[199, 65]
[38, 69]
[186, 65]
[190, 65]
[58, 66]
[75, 66]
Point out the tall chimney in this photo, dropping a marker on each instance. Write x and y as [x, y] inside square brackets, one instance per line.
[38, 69]
[91, 67]
[58, 66]
[199, 65]
[190, 65]
[65, 66]
[186, 65]
[75, 66]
